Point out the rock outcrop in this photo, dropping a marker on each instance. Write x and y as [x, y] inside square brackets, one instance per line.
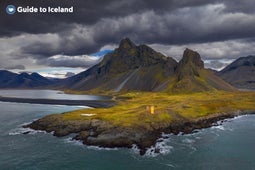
[97, 132]
[191, 76]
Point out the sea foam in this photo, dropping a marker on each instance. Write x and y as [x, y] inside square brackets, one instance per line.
[162, 147]
[21, 131]
[70, 140]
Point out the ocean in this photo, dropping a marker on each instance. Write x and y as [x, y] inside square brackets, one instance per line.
[227, 146]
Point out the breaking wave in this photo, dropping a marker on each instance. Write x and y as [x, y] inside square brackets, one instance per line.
[79, 143]
[162, 147]
[21, 131]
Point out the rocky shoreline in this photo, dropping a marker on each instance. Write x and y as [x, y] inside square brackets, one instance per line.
[101, 133]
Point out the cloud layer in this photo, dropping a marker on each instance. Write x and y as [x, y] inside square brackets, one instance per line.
[217, 29]
[83, 61]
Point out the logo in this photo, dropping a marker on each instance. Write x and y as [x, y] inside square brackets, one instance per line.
[10, 9]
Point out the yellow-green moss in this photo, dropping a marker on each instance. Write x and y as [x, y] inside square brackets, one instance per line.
[132, 111]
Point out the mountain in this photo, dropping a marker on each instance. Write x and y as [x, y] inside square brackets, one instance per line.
[22, 80]
[191, 76]
[129, 67]
[6, 76]
[240, 73]
[140, 68]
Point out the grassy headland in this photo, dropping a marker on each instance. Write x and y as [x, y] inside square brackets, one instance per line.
[130, 122]
[132, 111]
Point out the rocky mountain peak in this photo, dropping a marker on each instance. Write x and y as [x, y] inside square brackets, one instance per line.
[126, 43]
[189, 65]
[190, 56]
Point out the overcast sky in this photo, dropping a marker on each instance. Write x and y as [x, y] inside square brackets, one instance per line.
[220, 30]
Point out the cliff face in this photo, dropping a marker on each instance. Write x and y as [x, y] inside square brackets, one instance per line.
[189, 65]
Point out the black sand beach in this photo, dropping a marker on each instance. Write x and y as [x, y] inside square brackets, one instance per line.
[90, 103]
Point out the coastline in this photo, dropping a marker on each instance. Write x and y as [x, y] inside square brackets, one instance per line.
[100, 133]
[125, 121]
[90, 103]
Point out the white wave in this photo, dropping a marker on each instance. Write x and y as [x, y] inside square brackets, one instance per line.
[75, 142]
[70, 140]
[135, 149]
[102, 148]
[166, 135]
[21, 131]
[161, 147]
[239, 117]
[180, 134]
[218, 127]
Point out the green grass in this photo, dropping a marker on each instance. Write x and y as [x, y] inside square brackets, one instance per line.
[168, 108]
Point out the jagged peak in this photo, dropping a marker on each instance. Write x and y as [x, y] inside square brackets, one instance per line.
[193, 57]
[126, 43]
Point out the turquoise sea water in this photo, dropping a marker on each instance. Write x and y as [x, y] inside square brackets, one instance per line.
[228, 146]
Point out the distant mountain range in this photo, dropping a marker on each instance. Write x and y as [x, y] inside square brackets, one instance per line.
[240, 73]
[140, 68]
[22, 80]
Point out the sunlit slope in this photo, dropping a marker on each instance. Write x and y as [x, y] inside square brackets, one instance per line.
[169, 109]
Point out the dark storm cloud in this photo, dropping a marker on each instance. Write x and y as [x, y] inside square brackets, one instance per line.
[245, 6]
[189, 25]
[86, 12]
[91, 11]
[18, 67]
[13, 67]
[96, 23]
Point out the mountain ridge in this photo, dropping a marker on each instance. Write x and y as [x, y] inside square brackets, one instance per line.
[22, 80]
[240, 73]
[138, 67]
[132, 67]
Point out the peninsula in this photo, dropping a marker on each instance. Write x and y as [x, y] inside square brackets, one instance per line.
[153, 94]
